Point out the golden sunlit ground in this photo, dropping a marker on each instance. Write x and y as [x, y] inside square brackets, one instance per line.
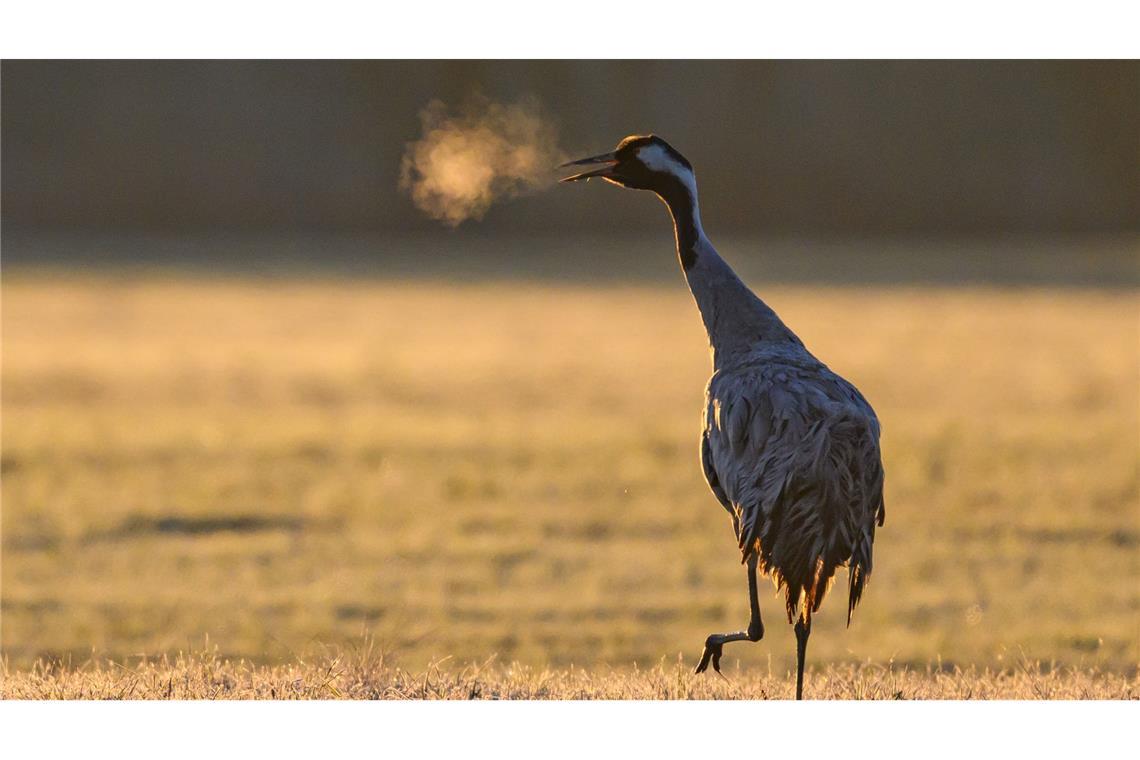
[359, 671]
[510, 470]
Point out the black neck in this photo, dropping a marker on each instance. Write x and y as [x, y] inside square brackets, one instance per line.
[686, 226]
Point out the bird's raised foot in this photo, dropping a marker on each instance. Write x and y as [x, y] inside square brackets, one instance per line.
[714, 648]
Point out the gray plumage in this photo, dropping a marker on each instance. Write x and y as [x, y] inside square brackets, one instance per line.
[791, 450]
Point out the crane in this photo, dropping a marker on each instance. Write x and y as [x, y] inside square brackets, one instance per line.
[789, 448]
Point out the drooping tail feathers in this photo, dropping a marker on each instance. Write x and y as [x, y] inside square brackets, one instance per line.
[822, 515]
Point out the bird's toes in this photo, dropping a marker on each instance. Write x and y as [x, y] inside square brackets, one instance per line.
[713, 649]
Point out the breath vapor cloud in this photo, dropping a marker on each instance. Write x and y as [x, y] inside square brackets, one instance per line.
[466, 161]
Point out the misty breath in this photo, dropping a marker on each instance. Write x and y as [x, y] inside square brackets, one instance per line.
[488, 151]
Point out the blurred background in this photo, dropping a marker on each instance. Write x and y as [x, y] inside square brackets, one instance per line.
[783, 147]
[251, 393]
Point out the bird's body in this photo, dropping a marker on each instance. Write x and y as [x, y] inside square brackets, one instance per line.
[789, 448]
[791, 451]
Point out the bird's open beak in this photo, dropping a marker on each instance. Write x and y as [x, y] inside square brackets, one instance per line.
[606, 158]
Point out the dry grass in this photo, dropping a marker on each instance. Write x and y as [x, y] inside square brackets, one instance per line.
[363, 673]
[510, 469]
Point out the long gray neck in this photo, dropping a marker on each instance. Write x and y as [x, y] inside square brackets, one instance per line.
[735, 318]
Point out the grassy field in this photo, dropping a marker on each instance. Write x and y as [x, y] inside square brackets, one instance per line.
[362, 672]
[510, 470]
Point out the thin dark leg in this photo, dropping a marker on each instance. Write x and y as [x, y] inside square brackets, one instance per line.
[755, 625]
[803, 630]
[714, 644]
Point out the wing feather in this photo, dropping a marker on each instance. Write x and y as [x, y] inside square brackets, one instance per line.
[792, 452]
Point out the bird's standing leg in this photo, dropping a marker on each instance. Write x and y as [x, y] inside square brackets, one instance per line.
[803, 630]
[714, 644]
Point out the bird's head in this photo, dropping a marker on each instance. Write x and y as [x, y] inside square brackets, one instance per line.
[640, 162]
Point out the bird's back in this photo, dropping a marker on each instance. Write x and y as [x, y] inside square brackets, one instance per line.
[791, 449]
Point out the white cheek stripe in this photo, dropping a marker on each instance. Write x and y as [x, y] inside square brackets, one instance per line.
[656, 159]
